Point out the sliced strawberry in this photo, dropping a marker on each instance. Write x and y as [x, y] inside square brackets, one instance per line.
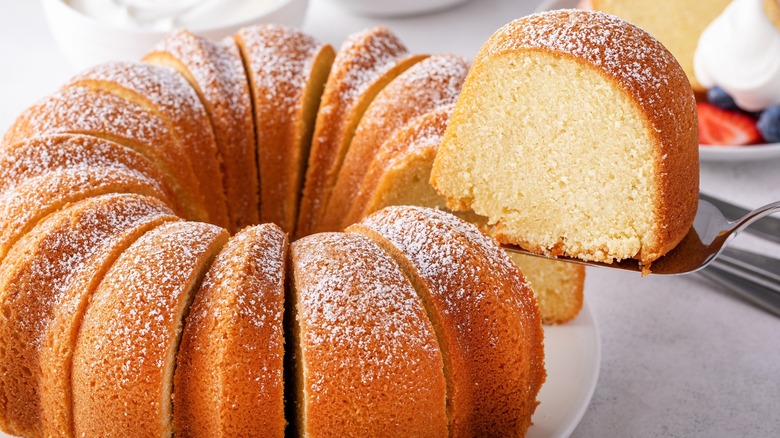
[721, 127]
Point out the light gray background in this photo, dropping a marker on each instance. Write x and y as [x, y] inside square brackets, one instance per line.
[681, 357]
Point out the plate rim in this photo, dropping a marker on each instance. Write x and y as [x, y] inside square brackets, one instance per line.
[584, 395]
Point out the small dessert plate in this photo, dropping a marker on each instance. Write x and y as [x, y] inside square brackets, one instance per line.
[716, 153]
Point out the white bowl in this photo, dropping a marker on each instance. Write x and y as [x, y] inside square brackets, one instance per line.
[87, 41]
[395, 8]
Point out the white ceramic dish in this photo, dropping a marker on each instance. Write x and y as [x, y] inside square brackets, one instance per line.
[756, 152]
[87, 41]
[395, 8]
[573, 359]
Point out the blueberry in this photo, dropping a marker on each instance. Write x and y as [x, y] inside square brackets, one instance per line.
[718, 97]
[769, 124]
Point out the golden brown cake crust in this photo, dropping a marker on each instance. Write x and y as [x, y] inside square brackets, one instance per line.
[420, 137]
[216, 71]
[49, 273]
[365, 63]
[22, 207]
[285, 69]
[229, 374]
[126, 348]
[167, 95]
[431, 83]
[34, 157]
[371, 362]
[486, 318]
[79, 110]
[646, 72]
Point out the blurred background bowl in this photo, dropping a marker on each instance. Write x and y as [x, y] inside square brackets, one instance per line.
[395, 8]
[87, 41]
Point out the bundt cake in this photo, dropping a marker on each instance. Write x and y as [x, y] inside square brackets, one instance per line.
[44, 285]
[168, 96]
[121, 317]
[359, 329]
[216, 72]
[365, 63]
[576, 135]
[125, 354]
[485, 317]
[228, 379]
[287, 70]
[427, 85]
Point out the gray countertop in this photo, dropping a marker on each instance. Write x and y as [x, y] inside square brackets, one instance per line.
[680, 355]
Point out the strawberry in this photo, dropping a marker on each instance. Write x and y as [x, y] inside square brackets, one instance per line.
[721, 127]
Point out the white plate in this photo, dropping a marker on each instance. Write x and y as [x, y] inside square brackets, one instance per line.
[573, 358]
[706, 153]
[756, 152]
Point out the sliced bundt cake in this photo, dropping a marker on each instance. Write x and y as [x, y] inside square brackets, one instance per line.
[216, 71]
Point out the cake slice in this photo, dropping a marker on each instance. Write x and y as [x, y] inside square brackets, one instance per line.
[24, 206]
[485, 316]
[558, 286]
[216, 71]
[287, 72]
[576, 135]
[80, 110]
[433, 82]
[365, 63]
[36, 156]
[125, 354]
[229, 374]
[164, 93]
[45, 282]
[367, 361]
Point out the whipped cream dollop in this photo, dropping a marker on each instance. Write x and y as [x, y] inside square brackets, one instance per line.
[740, 52]
[166, 15]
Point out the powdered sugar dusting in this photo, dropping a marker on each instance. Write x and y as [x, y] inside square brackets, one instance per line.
[434, 82]
[362, 59]
[162, 91]
[250, 269]
[426, 133]
[127, 343]
[161, 87]
[232, 351]
[216, 67]
[633, 57]
[439, 244]
[217, 70]
[45, 272]
[363, 328]
[485, 314]
[39, 155]
[79, 109]
[32, 200]
[278, 59]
